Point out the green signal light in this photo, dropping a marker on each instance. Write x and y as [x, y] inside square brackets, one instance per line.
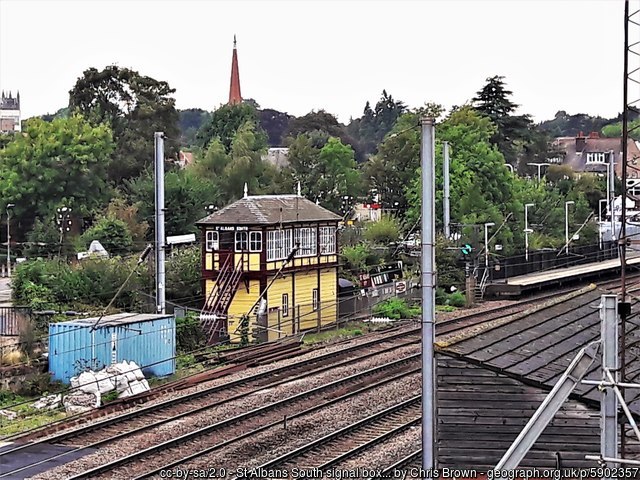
[466, 249]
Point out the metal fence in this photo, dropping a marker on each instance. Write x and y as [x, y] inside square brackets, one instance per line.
[502, 268]
[13, 320]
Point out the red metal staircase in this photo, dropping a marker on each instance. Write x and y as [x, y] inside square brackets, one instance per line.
[214, 311]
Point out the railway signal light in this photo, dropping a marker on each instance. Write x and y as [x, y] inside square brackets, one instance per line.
[466, 249]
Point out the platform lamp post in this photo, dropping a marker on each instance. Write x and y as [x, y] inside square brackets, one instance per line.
[9, 207]
[600, 203]
[566, 224]
[538, 165]
[486, 243]
[527, 230]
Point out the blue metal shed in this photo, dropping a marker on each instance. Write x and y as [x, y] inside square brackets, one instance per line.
[147, 339]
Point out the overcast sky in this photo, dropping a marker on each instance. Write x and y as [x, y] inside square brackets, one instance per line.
[296, 56]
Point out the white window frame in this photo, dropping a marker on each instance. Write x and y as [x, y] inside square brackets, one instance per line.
[212, 241]
[315, 299]
[239, 240]
[285, 304]
[255, 241]
[596, 157]
[279, 244]
[306, 239]
[327, 240]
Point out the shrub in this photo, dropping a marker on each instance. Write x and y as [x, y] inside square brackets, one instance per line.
[383, 232]
[456, 299]
[395, 308]
[189, 335]
[113, 234]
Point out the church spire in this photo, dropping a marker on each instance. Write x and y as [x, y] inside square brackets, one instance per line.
[235, 96]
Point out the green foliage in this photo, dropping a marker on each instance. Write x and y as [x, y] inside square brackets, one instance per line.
[275, 124]
[186, 196]
[189, 335]
[615, 129]
[56, 163]
[396, 308]
[377, 122]
[54, 284]
[43, 239]
[356, 257]
[383, 232]
[324, 166]
[134, 107]
[455, 299]
[113, 234]
[183, 275]
[191, 120]
[224, 124]
[119, 209]
[565, 125]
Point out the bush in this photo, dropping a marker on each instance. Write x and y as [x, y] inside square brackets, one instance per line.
[183, 274]
[189, 335]
[383, 232]
[113, 234]
[456, 299]
[396, 308]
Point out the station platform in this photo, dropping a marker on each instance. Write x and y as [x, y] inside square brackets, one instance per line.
[516, 286]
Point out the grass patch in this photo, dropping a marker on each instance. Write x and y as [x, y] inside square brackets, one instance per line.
[28, 417]
[349, 330]
[445, 308]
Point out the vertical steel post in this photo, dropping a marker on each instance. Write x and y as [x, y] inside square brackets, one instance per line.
[159, 171]
[611, 193]
[8, 243]
[609, 402]
[445, 196]
[427, 154]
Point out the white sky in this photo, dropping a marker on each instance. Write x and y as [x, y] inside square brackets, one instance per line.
[296, 56]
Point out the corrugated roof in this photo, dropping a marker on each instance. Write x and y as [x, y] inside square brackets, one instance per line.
[117, 319]
[269, 210]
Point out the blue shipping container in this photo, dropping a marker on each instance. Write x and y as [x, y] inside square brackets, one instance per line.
[147, 339]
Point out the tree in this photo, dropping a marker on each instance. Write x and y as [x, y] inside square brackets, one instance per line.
[377, 122]
[493, 101]
[191, 120]
[134, 107]
[43, 239]
[186, 196]
[119, 209]
[55, 163]
[112, 234]
[326, 172]
[275, 123]
[224, 124]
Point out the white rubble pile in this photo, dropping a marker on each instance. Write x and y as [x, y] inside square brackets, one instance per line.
[8, 414]
[125, 377]
[50, 402]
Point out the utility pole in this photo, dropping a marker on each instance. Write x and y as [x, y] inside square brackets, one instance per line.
[611, 193]
[159, 170]
[609, 402]
[445, 197]
[427, 154]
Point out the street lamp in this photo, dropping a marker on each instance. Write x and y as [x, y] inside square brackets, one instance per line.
[527, 230]
[538, 165]
[566, 224]
[509, 166]
[486, 243]
[9, 207]
[600, 202]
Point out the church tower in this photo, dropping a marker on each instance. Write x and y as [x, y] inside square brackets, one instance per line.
[235, 97]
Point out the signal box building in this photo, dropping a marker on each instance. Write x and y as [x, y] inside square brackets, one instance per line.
[248, 255]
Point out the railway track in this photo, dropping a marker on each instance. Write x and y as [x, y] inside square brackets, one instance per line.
[147, 418]
[131, 423]
[329, 451]
[413, 460]
[225, 432]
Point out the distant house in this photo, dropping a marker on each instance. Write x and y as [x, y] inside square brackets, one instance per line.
[184, 159]
[592, 153]
[277, 156]
[10, 113]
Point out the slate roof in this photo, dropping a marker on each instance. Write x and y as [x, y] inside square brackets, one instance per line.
[510, 364]
[269, 210]
[576, 156]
